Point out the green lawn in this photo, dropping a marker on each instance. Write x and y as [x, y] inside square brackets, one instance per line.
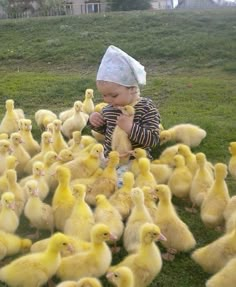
[191, 64]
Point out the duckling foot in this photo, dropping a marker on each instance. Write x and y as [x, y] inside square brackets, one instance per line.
[168, 256]
[191, 209]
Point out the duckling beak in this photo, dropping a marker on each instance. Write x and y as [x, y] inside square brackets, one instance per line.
[70, 248]
[113, 237]
[12, 205]
[162, 237]
[109, 275]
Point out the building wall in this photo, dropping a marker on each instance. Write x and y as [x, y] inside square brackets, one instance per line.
[162, 4]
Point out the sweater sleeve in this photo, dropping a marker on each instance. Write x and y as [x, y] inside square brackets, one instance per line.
[145, 131]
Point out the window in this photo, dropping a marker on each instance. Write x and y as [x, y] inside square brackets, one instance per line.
[93, 7]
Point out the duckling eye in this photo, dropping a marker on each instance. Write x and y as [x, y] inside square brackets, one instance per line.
[105, 233]
[115, 275]
[64, 243]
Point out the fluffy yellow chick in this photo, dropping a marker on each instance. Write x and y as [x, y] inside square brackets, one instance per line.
[225, 277]
[76, 122]
[9, 123]
[137, 153]
[30, 144]
[95, 262]
[190, 158]
[213, 256]
[216, 199]
[11, 163]
[43, 117]
[138, 216]
[64, 156]
[230, 214]
[81, 219]
[9, 220]
[177, 233]
[46, 145]
[5, 151]
[38, 175]
[232, 160]
[14, 187]
[121, 277]
[121, 198]
[88, 104]
[167, 155]
[86, 144]
[63, 200]
[39, 214]
[86, 166]
[74, 143]
[146, 263]
[19, 152]
[83, 282]
[4, 136]
[161, 172]
[106, 183]
[11, 244]
[64, 115]
[58, 141]
[38, 267]
[181, 178]
[120, 141]
[106, 213]
[188, 134]
[145, 176]
[202, 181]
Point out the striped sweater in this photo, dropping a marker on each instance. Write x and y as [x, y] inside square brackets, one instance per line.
[145, 129]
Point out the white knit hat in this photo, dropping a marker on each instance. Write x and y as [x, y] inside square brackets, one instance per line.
[120, 68]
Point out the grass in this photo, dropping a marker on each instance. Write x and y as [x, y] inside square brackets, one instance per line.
[191, 63]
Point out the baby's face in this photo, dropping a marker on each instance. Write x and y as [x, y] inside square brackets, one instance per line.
[115, 94]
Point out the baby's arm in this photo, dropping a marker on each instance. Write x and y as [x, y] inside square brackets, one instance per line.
[96, 122]
[146, 131]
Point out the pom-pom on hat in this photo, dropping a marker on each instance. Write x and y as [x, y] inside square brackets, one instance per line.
[120, 68]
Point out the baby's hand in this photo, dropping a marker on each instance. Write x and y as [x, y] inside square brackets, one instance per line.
[125, 123]
[96, 119]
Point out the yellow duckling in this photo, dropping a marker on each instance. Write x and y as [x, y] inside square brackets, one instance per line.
[121, 198]
[4, 136]
[83, 282]
[39, 214]
[76, 122]
[225, 277]
[137, 153]
[46, 145]
[86, 166]
[177, 233]
[43, 117]
[232, 160]
[120, 141]
[181, 178]
[86, 144]
[202, 181]
[30, 144]
[58, 141]
[38, 175]
[49, 158]
[188, 134]
[161, 172]
[106, 213]
[230, 214]
[19, 152]
[74, 143]
[11, 163]
[63, 199]
[38, 267]
[9, 220]
[14, 187]
[5, 150]
[106, 183]
[145, 176]
[167, 155]
[121, 277]
[95, 262]
[11, 244]
[146, 262]
[190, 158]
[81, 219]
[98, 136]
[88, 104]
[138, 216]
[9, 123]
[64, 156]
[214, 256]
[216, 199]
[64, 115]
